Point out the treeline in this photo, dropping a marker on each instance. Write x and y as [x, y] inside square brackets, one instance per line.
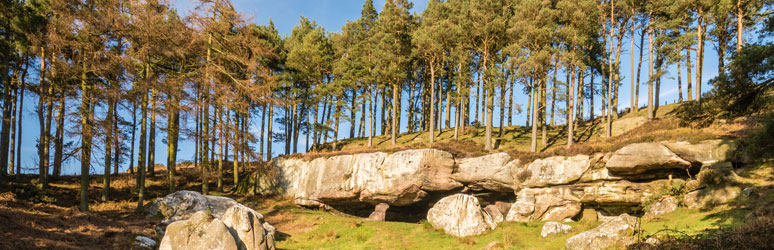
[105, 68]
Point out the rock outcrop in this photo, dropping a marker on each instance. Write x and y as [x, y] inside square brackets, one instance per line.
[663, 206]
[644, 157]
[195, 221]
[460, 215]
[557, 170]
[182, 205]
[547, 204]
[490, 172]
[551, 227]
[201, 231]
[616, 233]
[398, 179]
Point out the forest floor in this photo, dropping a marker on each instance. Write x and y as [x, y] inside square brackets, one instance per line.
[49, 219]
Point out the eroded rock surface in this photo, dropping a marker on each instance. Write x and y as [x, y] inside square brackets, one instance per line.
[245, 226]
[399, 179]
[554, 228]
[548, 204]
[663, 206]
[557, 170]
[460, 215]
[616, 233]
[490, 172]
[201, 231]
[643, 157]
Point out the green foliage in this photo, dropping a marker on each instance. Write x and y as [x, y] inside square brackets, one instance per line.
[747, 84]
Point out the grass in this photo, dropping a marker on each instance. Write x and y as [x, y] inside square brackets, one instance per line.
[516, 140]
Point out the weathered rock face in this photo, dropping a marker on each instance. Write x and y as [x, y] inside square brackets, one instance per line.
[554, 228]
[182, 205]
[666, 205]
[616, 233]
[490, 172]
[143, 243]
[548, 204]
[379, 213]
[557, 170]
[248, 228]
[460, 215]
[643, 157]
[201, 232]
[399, 179]
[494, 211]
[244, 225]
[705, 152]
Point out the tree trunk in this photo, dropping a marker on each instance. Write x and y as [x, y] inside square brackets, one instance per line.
[632, 105]
[352, 116]
[610, 80]
[739, 26]
[370, 118]
[394, 123]
[173, 130]
[152, 136]
[268, 136]
[533, 144]
[688, 77]
[85, 138]
[639, 69]
[432, 102]
[108, 151]
[650, 73]
[699, 53]
[571, 98]
[21, 112]
[679, 82]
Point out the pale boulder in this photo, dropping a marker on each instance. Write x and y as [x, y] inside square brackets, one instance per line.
[200, 232]
[493, 172]
[547, 204]
[639, 158]
[616, 233]
[460, 215]
[557, 170]
[248, 228]
[551, 227]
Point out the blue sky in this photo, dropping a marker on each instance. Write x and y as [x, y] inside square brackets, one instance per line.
[333, 15]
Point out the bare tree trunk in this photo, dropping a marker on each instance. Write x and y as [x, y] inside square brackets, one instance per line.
[85, 138]
[699, 53]
[173, 130]
[632, 104]
[268, 136]
[650, 73]
[533, 144]
[395, 109]
[688, 77]
[639, 69]
[108, 151]
[21, 112]
[152, 136]
[432, 102]
[739, 26]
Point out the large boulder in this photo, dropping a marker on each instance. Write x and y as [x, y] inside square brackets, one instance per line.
[618, 192]
[547, 204]
[554, 228]
[616, 233]
[182, 205]
[248, 228]
[557, 170]
[704, 152]
[640, 158]
[493, 172]
[399, 179]
[201, 231]
[460, 215]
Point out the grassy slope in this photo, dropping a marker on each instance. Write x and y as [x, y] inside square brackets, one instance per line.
[471, 143]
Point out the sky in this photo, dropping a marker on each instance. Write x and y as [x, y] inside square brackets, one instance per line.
[333, 14]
